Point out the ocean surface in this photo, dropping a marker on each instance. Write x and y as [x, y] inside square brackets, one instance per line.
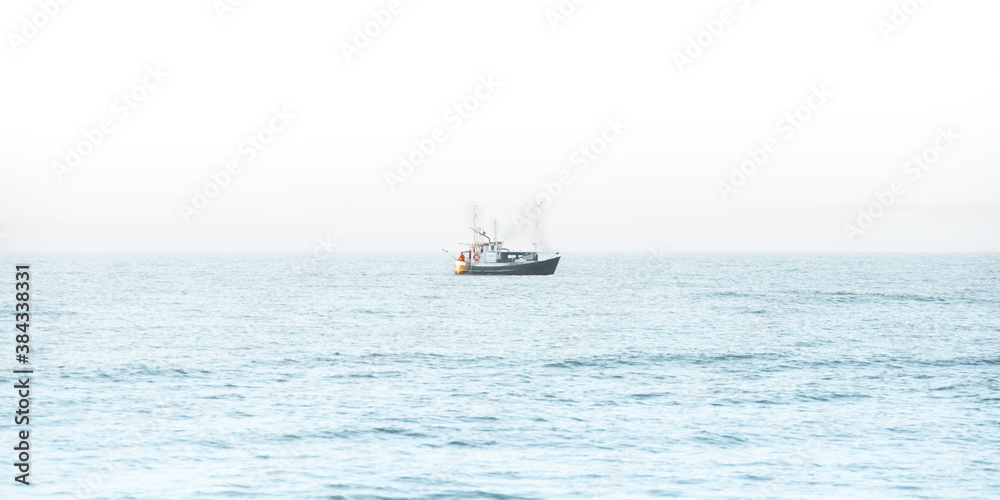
[622, 376]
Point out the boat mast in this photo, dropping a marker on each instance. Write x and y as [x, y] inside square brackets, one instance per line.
[475, 233]
[535, 243]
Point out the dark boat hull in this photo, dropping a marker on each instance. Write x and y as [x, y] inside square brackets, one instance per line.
[543, 267]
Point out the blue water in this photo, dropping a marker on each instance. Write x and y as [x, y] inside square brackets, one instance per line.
[622, 376]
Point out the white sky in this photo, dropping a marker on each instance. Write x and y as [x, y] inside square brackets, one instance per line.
[323, 176]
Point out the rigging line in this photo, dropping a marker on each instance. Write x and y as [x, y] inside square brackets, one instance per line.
[515, 229]
[519, 226]
[464, 234]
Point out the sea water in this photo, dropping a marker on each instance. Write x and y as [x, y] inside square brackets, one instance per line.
[621, 376]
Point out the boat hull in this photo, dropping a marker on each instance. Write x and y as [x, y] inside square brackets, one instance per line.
[542, 267]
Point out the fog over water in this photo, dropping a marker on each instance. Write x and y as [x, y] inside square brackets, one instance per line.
[193, 127]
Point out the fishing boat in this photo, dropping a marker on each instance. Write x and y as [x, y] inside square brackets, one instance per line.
[487, 256]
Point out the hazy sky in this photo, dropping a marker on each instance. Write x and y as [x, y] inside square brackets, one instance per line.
[120, 119]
